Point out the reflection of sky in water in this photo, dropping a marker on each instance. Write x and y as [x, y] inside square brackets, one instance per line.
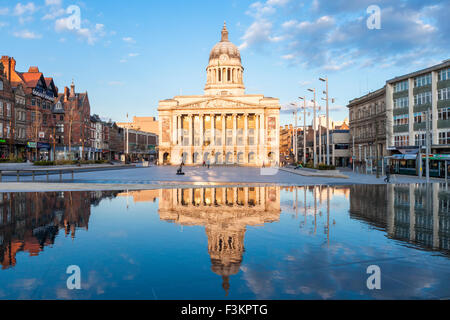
[164, 250]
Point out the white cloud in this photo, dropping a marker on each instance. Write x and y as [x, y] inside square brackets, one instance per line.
[53, 2]
[132, 55]
[25, 34]
[129, 40]
[4, 11]
[54, 13]
[21, 9]
[91, 35]
[288, 57]
[258, 33]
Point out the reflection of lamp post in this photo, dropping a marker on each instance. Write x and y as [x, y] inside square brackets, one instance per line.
[304, 128]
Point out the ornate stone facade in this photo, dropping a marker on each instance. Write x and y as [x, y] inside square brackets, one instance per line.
[223, 126]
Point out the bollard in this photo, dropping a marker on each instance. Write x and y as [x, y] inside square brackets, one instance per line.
[0, 175]
[72, 175]
[47, 175]
[60, 175]
[18, 176]
[32, 172]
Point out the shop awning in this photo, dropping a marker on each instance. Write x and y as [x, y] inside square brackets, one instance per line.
[404, 156]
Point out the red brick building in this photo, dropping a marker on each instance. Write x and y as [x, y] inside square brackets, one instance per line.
[71, 114]
[40, 93]
[6, 115]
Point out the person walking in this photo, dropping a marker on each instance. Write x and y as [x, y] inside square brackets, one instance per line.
[388, 175]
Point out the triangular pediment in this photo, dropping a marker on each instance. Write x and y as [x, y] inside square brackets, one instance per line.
[217, 102]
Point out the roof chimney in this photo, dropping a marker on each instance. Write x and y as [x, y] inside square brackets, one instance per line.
[66, 94]
[72, 90]
[9, 65]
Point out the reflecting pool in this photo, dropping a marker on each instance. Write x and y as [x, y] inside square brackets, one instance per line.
[269, 242]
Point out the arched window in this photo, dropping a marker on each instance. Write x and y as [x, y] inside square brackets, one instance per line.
[220, 75]
[229, 75]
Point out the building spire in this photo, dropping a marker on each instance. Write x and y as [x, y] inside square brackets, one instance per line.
[224, 32]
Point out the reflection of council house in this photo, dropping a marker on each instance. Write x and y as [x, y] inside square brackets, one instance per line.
[223, 126]
[225, 213]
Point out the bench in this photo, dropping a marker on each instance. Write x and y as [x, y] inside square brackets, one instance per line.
[39, 172]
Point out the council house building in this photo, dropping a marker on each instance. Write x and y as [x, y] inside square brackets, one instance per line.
[224, 125]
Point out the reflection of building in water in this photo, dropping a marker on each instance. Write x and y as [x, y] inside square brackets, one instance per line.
[418, 214]
[31, 221]
[141, 196]
[225, 213]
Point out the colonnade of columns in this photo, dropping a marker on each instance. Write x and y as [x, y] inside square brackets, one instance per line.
[232, 75]
[232, 197]
[218, 136]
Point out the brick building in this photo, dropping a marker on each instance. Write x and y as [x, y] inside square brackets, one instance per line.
[6, 114]
[72, 116]
[40, 94]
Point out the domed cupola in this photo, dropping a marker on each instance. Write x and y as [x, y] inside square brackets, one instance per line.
[225, 71]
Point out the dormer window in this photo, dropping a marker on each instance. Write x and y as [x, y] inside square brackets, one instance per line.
[1, 85]
[58, 106]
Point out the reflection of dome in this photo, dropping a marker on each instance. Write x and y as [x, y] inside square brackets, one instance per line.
[226, 248]
[225, 47]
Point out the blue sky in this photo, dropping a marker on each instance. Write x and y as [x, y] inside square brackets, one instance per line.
[129, 55]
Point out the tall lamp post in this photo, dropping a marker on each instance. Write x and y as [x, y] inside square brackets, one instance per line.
[304, 129]
[314, 126]
[328, 119]
[294, 133]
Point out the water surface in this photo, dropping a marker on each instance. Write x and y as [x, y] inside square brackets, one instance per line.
[228, 243]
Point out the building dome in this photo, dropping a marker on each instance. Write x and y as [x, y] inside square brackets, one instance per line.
[225, 71]
[225, 47]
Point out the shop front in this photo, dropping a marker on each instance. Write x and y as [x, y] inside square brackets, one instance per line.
[4, 149]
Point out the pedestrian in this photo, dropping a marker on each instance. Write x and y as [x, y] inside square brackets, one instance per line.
[388, 175]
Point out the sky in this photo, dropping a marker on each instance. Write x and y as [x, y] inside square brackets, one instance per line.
[128, 55]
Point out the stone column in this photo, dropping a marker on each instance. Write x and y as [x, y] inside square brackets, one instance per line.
[246, 129]
[174, 129]
[213, 129]
[234, 129]
[201, 132]
[224, 123]
[191, 139]
[179, 130]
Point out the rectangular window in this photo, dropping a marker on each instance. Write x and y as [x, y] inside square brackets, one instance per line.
[1, 108]
[444, 113]
[1, 129]
[444, 74]
[400, 120]
[444, 137]
[422, 80]
[8, 110]
[420, 139]
[401, 86]
[444, 94]
[401, 102]
[422, 98]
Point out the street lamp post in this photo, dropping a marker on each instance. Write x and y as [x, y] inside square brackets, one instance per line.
[314, 127]
[328, 119]
[304, 129]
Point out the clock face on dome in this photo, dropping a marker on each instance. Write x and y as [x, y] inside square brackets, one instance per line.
[223, 57]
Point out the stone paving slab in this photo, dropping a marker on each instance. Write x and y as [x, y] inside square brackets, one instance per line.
[322, 174]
